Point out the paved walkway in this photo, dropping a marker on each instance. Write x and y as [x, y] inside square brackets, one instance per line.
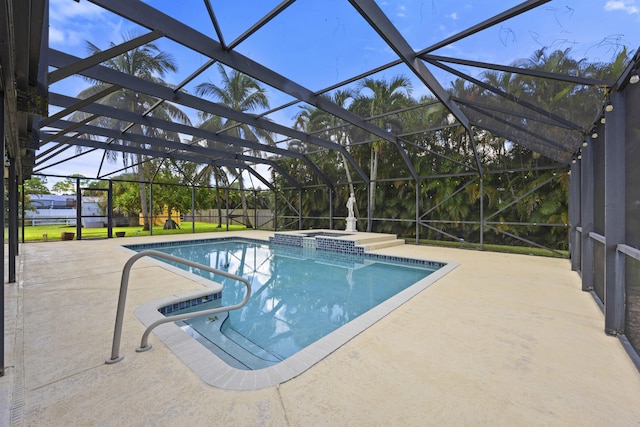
[502, 340]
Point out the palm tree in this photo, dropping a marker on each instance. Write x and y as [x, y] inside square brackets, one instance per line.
[240, 93]
[312, 120]
[376, 97]
[146, 62]
[211, 173]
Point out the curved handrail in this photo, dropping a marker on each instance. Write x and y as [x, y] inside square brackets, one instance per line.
[124, 284]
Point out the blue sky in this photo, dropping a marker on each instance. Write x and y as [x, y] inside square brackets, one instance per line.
[319, 43]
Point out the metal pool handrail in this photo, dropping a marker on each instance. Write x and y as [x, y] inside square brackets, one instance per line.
[124, 284]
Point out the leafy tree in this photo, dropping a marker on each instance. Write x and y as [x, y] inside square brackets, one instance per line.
[172, 197]
[68, 185]
[36, 185]
[126, 197]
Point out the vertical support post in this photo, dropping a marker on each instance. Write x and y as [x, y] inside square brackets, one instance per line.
[110, 210]
[193, 210]
[12, 185]
[574, 215]
[481, 213]
[417, 212]
[299, 209]
[614, 214]
[255, 209]
[78, 210]
[2, 152]
[275, 209]
[330, 208]
[22, 213]
[226, 198]
[151, 209]
[369, 215]
[587, 215]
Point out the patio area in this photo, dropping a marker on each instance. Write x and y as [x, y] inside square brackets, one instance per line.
[501, 340]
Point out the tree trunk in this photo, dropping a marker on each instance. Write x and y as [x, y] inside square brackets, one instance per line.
[373, 176]
[245, 211]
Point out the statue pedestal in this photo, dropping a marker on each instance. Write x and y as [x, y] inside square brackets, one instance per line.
[351, 224]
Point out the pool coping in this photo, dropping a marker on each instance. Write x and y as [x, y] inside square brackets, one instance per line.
[215, 372]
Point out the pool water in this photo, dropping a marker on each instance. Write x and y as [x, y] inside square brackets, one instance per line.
[298, 296]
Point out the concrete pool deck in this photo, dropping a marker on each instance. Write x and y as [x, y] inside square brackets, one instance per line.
[501, 340]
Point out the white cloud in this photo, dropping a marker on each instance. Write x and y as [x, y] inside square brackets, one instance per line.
[627, 6]
[402, 9]
[453, 16]
[56, 36]
[72, 22]
[62, 10]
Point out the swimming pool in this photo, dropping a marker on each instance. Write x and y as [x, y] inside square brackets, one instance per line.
[302, 299]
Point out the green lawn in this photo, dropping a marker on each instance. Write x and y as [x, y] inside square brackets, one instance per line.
[53, 232]
[524, 250]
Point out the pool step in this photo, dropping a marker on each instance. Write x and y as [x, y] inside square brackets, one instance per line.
[381, 244]
[233, 348]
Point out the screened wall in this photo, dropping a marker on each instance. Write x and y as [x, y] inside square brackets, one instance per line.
[441, 164]
[605, 230]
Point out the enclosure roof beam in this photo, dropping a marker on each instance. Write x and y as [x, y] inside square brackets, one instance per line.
[555, 155]
[128, 116]
[163, 143]
[189, 157]
[78, 104]
[504, 111]
[147, 16]
[136, 84]
[175, 146]
[508, 96]
[519, 128]
[102, 56]
[261, 23]
[577, 80]
[376, 18]
[103, 110]
[504, 16]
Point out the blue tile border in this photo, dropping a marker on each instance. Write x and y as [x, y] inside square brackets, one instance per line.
[168, 309]
[142, 246]
[325, 248]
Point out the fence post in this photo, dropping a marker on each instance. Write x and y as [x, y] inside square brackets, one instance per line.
[417, 212]
[193, 210]
[481, 213]
[110, 210]
[275, 209]
[330, 208]
[226, 196]
[78, 210]
[151, 209]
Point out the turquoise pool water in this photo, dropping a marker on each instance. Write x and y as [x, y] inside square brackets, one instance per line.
[298, 295]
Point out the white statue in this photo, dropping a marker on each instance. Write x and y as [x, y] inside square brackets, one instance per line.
[351, 219]
[350, 203]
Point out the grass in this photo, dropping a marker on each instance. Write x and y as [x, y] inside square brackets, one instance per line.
[53, 232]
[523, 250]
